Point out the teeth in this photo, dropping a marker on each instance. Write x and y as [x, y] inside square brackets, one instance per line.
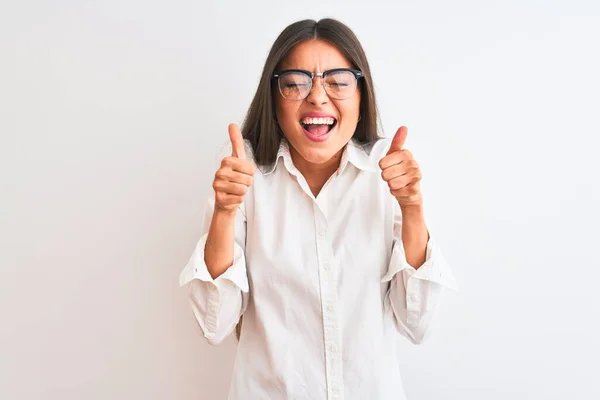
[318, 121]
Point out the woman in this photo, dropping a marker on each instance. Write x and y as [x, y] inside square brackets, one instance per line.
[315, 232]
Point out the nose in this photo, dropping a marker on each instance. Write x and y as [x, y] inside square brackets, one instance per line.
[317, 93]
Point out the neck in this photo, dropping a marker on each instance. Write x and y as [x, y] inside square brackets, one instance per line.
[316, 174]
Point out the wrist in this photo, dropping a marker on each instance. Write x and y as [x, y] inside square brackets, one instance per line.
[413, 209]
[224, 214]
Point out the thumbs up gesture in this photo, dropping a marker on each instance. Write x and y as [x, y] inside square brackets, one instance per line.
[401, 172]
[234, 176]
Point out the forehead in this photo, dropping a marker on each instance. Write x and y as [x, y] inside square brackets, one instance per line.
[315, 55]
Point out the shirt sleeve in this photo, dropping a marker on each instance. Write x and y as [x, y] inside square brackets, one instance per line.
[219, 303]
[415, 294]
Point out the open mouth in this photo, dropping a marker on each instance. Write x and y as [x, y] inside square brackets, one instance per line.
[318, 127]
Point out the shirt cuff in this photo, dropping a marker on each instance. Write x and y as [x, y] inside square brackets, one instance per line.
[434, 269]
[196, 268]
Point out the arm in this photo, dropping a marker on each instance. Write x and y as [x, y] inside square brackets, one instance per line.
[219, 247]
[219, 302]
[414, 235]
[216, 272]
[415, 290]
[417, 272]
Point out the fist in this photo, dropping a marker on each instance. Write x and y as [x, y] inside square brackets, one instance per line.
[401, 172]
[234, 176]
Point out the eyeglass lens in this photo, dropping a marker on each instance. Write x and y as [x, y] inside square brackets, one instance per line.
[297, 85]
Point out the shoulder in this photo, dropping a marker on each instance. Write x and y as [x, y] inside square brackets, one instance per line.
[380, 148]
[369, 154]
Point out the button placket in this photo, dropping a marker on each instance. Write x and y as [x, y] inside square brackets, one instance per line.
[413, 301]
[213, 308]
[328, 287]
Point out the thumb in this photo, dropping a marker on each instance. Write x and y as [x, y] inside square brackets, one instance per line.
[237, 142]
[399, 139]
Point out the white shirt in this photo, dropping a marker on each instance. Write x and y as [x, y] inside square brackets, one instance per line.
[323, 284]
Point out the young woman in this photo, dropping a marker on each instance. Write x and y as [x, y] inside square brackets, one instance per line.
[315, 232]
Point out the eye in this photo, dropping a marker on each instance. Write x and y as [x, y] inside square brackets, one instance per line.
[295, 85]
[339, 84]
[340, 79]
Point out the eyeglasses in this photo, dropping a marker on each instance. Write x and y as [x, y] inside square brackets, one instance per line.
[339, 83]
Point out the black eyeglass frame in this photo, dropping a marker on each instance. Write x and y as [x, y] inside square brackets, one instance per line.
[357, 75]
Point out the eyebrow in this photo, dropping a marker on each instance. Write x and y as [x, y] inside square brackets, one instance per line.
[312, 72]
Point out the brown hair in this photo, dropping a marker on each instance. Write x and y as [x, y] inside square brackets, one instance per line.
[260, 127]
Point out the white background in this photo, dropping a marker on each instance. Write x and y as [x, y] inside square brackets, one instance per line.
[112, 113]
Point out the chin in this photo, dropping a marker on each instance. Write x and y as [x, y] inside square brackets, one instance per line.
[319, 153]
[318, 156]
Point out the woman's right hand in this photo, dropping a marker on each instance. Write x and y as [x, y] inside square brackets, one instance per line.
[235, 175]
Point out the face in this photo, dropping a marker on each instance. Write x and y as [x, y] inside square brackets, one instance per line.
[319, 144]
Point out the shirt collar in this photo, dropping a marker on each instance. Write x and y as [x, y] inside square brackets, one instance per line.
[354, 153]
[283, 152]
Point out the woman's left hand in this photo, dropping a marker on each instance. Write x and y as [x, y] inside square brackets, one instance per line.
[401, 172]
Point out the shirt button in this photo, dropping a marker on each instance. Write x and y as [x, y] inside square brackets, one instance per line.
[332, 349]
[335, 389]
[329, 308]
[326, 266]
[322, 232]
[413, 297]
